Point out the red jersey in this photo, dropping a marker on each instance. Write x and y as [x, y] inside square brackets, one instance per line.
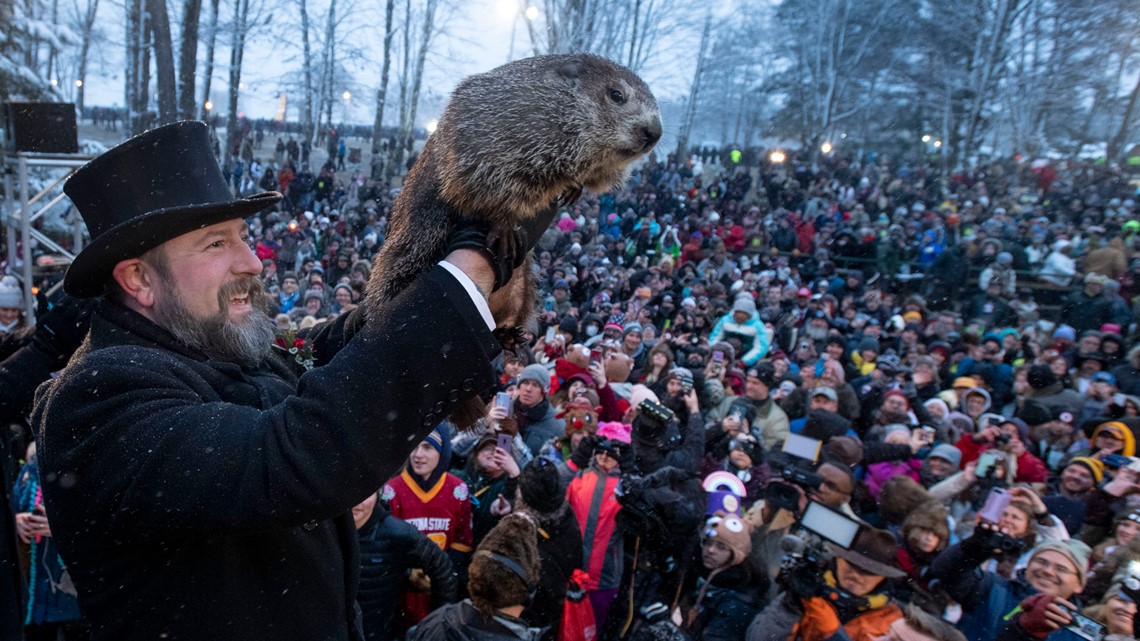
[442, 513]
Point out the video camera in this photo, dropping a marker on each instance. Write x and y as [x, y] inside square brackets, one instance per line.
[806, 558]
[795, 468]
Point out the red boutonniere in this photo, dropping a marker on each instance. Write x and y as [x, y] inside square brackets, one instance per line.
[298, 348]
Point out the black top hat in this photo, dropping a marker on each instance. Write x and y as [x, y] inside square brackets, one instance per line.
[154, 187]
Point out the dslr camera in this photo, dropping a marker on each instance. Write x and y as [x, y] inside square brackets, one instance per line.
[806, 559]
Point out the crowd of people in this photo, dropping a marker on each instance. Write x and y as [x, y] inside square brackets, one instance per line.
[946, 364]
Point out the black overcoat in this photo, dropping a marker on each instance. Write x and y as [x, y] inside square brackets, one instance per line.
[198, 500]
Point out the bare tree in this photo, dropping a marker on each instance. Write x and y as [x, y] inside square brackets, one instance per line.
[416, 47]
[377, 169]
[694, 90]
[188, 59]
[237, 52]
[159, 24]
[306, 74]
[86, 18]
[211, 44]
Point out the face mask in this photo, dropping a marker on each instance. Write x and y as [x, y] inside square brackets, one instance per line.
[591, 330]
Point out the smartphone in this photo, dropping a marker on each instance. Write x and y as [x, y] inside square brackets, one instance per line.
[1086, 628]
[550, 332]
[995, 505]
[504, 443]
[820, 365]
[1116, 461]
[595, 356]
[718, 356]
[985, 464]
[503, 400]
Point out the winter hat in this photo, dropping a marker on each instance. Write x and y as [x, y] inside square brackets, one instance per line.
[1041, 376]
[505, 567]
[640, 393]
[1075, 551]
[615, 431]
[537, 374]
[1095, 467]
[937, 402]
[1121, 432]
[540, 486]
[438, 438]
[874, 551]
[894, 428]
[1022, 428]
[930, 515]
[949, 453]
[744, 303]
[869, 344]
[899, 394]
[845, 449]
[1066, 332]
[1005, 258]
[733, 531]
[964, 381]
[313, 294]
[10, 293]
[826, 392]
[289, 276]
[765, 373]
[632, 328]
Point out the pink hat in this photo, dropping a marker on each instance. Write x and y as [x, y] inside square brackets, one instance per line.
[615, 431]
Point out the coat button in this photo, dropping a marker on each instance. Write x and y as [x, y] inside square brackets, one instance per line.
[468, 385]
[310, 526]
[438, 409]
[429, 420]
[453, 396]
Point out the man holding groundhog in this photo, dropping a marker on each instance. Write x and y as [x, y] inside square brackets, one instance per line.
[200, 481]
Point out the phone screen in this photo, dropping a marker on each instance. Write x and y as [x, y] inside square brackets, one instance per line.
[829, 524]
[550, 331]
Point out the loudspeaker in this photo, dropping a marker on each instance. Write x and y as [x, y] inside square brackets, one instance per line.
[43, 127]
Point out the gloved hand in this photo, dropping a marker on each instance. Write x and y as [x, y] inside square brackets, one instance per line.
[505, 248]
[820, 620]
[1042, 614]
[61, 328]
[582, 454]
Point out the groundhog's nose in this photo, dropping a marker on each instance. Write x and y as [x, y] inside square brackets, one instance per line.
[651, 132]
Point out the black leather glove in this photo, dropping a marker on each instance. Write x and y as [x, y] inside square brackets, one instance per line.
[62, 326]
[582, 454]
[505, 250]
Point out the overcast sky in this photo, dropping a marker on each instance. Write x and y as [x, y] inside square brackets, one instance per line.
[478, 38]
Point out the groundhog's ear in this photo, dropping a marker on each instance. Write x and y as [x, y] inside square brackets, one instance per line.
[571, 71]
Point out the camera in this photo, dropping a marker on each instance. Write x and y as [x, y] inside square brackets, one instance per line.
[1009, 546]
[655, 412]
[806, 558]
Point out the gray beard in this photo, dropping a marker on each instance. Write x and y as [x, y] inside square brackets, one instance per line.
[219, 337]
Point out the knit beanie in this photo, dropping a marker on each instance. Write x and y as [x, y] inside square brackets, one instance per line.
[1095, 467]
[899, 394]
[947, 452]
[540, 486]
[10, 294]
[632, 328]
[895, 428]
[615, 431]
[1075, 551]
[733, 531]
[505, 566]
[536, 374]
[1041, 376]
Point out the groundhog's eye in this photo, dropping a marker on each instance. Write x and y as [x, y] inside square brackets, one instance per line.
[617, 96]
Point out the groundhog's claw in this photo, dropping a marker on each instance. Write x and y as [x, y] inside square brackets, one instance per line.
[571, 195]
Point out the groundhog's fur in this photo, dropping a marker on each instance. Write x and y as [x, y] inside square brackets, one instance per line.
[510, 143]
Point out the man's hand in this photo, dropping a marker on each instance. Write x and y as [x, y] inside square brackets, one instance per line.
[986, 435]
[691, 402]
[919, 439]
[1029, 496]
[1124, 483]
[1042, 614]
[971, 472]
[496, 413]
[30, 525]
[500, 506]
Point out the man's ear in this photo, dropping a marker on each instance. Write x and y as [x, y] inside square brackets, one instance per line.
[137, 280]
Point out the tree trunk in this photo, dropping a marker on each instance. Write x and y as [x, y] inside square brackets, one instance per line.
[84, 50]
[164, 61]
[138, 68]
[1114, 145]
[211, 42]
[306, 75]
[694, 93]
[377, 170]
[396, 152]
[188, 59]
[330, 62]
[237, 51]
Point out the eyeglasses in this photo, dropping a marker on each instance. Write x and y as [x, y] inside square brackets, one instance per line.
[1060, 570]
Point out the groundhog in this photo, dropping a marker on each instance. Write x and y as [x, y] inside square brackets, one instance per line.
[512, 143]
